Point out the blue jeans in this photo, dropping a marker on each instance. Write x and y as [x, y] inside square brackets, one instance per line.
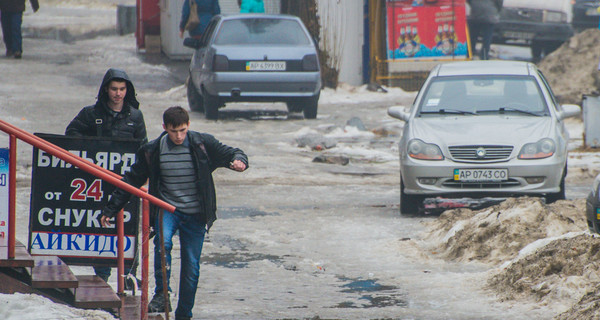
[11, 30]
[191, 238]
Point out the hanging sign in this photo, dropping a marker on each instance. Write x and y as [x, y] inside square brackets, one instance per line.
[66, 202]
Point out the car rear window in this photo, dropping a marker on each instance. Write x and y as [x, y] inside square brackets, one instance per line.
[261, 31]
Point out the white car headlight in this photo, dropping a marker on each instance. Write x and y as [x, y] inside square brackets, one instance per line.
[418, 149]
[554, 17]
[538, 150]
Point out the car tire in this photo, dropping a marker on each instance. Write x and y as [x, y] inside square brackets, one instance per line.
[409, 204]
[560, 195]
[194, 98]
[211, 106]
[310, 106]
[294, 106]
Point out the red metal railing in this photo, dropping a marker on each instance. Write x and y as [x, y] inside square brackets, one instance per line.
[106, 175]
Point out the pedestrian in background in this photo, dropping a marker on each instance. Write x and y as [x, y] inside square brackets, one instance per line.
[205, 9]
[485, 14]
[115, 114]
[178, 165]
[251, 6]
[11, 15]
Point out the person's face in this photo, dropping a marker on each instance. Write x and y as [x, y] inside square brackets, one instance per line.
[177, 134]
[116, 93]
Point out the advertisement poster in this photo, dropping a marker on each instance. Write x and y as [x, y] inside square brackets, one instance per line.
[426, 29]
[3, 192]
[66, 202]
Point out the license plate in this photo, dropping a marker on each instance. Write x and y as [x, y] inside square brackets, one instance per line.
[480, 175]
[592, 12]
[265, 66]
[519, 35]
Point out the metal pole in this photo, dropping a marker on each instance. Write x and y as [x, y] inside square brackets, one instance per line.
[163, 263]
[120, 254]
[145, 253]
[12, 196]
[84, 165]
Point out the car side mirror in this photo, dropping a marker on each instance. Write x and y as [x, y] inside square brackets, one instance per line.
[398, 113]
[191, 43]
[569, 110]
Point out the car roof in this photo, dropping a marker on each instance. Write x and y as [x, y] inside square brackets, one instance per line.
[237, 16]
[485, 67]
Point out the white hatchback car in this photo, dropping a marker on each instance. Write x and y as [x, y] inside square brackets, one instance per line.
[483, 129]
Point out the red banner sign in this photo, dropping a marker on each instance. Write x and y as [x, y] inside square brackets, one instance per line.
[422, 29]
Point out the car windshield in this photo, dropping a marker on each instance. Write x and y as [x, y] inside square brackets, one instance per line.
[483, 95]
[261, 31]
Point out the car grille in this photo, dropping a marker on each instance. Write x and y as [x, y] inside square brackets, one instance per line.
[469, 153]
[521, 14]
[510, 183]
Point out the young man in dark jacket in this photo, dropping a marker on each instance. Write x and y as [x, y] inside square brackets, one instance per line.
[115, 114]
[179, 165]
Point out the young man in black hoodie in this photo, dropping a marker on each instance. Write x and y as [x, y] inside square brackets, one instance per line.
[115, 114]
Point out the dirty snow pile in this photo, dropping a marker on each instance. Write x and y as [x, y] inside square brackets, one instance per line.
[542, 253]
[572, 69]
[18, 306]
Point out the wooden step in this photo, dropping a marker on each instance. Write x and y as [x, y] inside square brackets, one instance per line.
[22, 258]
[94, 293]
[52, 272]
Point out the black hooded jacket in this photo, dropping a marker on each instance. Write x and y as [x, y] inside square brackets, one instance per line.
[98, 119]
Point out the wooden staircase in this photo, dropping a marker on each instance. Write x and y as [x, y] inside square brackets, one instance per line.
[50, 277]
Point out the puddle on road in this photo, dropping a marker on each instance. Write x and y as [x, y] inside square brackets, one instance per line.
[238, 260]
[232, 114]
[373, 293]
[242, 212]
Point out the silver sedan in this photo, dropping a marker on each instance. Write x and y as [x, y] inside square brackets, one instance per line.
[254, 58]
[483, 129]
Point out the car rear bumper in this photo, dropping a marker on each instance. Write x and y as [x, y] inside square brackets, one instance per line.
[582, 17]
[529, 31]
[264, 85]
[414, 173]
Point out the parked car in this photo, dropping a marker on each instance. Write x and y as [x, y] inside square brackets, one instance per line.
[586, 14]
[483, 129]
[254, 58]
[543, 25]
[592, 207]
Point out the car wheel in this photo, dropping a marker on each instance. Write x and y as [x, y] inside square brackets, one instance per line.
[294, 106]
[194, 98]
[560, 195]
[409, 204]
[310, 107]
[211, 106]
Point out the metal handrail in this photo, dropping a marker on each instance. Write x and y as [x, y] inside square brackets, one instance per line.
[97, 171]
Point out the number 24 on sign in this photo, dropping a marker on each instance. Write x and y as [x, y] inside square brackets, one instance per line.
[82, 191]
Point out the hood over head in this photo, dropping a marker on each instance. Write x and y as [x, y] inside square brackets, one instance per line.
[113, 74]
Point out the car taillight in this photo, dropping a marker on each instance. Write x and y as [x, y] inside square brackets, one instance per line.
[310, 63]
[220, 63]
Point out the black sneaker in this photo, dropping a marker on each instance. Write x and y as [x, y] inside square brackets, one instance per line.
[158, 304]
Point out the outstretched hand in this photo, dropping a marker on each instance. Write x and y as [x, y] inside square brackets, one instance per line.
[237, 165]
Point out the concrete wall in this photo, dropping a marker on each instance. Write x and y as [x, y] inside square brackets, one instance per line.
[342, 35]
